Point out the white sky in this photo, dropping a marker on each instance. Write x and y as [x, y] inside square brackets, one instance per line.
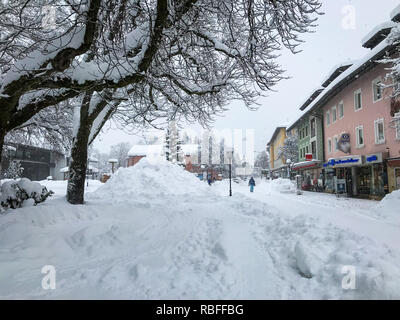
[333, 42]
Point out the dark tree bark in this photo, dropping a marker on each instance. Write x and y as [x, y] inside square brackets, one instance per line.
[2, 136]
[85, 135]
[79, 156]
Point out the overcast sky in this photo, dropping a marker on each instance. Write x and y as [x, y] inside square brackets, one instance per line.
[337, 39]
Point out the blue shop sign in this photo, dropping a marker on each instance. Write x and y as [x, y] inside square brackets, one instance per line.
[334, 162]
[374, 158]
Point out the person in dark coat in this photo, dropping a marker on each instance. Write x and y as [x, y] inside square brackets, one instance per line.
[252, 184]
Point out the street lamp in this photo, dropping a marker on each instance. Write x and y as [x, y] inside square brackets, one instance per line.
[113, 162]
[288, 162]
[229, 156]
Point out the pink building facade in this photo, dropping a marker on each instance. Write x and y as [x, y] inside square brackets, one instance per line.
[360, 120]
[360, 138]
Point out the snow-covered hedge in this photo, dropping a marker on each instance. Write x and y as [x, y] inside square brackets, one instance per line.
[17, 193]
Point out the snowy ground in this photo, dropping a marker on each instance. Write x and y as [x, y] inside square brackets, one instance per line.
[156, 232]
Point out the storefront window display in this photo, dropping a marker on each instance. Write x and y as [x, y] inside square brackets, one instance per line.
[378, 177]
[364, 180]
[329, 180]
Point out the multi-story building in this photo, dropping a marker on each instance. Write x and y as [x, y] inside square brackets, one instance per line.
[361, 145]
[278, 165]
[309, 128]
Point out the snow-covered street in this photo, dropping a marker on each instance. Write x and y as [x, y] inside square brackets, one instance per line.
[157, 232]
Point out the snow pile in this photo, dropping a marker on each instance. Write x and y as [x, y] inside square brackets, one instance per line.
[149, 179]
[283, 185]
[389, 207]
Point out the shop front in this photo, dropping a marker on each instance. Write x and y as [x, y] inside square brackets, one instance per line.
[393, 173]
[282, 172]
[311, 174]
[360, 175]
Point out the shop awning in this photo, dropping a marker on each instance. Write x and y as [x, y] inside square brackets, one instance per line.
[307, 165]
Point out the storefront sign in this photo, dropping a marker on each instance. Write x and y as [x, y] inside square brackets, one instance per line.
[309, 156]
[344, 143]
[344, 162]
[373, 158]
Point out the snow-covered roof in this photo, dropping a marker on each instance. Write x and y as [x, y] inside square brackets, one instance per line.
[113, 160]
[377, 34]
[93, 159]
[336, 71]
[10, 148]
[395, 14]
[306, 164]
[311, 97]
[189, 149]
[145, 150]
[351, 73]
[277, 130]
[65, 169]
[93, 168]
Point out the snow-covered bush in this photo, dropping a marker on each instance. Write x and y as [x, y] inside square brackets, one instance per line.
[14, 170]
[13, 193]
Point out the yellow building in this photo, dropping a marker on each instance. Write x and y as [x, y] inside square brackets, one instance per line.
[278, 166]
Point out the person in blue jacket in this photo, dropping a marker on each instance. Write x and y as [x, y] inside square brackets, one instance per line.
[252, 184]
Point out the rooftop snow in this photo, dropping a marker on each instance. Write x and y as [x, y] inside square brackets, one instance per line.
[350, 73]
[377, 34]
[145, 150]
[311, 97]
[395, 14]
[190, 148]
[336, 71]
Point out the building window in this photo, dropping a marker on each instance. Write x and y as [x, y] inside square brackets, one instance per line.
[341, 109]
[377, 89]
[329, 146]
[379, 131]
[357, 100]
[306, 131]
[312, 128]
[334, 115]
[328, 118]
[335, 143]
[307, 150]
[397, 124]
[360, 136]
[314, 149]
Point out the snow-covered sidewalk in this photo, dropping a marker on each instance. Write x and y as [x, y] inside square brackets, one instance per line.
[156, 232]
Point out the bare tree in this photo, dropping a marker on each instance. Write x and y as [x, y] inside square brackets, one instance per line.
[120, 152]
[394, 60]
[262, 160]
[290, 148]
[186, 58]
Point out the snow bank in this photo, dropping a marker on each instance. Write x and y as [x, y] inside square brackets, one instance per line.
[283, 185]
[389, 207]
[149, 179]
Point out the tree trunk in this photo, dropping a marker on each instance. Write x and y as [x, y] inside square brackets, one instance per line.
[2, 136]
[78, 165]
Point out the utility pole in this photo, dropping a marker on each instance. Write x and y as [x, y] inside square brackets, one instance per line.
[230, 176]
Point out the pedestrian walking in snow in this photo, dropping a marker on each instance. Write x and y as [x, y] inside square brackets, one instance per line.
[252, 184]
[209, 181]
